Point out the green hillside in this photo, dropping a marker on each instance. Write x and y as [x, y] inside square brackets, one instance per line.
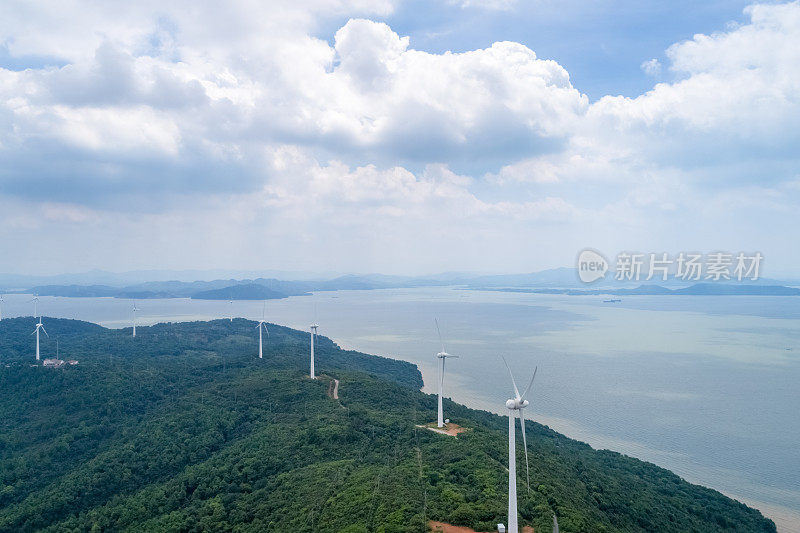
[184, 429]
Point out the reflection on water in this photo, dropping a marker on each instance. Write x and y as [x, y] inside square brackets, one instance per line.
[704, 386]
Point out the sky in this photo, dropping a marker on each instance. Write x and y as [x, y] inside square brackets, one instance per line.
[395, 137]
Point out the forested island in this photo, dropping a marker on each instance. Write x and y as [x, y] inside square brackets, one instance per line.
[248, 291]
[183, 428]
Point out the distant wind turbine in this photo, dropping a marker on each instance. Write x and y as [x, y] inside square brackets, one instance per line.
[39, 326]
[230, 308]
[134, 317]
[516, 404]
[1, 306]
[313, 334]
[262, 323]
[442, 356]
[35, 301]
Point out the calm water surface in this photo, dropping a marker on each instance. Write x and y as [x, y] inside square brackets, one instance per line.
[708, 387]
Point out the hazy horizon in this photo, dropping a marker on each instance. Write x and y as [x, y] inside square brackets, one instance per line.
[189, 275]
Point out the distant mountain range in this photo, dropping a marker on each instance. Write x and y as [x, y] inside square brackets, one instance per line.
[124, 279]
[554, 281]
[259, 289]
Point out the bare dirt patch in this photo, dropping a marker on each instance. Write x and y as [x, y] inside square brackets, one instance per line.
[451, 429]
[333, 389]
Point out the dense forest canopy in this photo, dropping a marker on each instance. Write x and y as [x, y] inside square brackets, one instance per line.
[183, 428]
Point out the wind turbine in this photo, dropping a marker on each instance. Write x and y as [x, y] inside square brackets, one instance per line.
[263, 323]
[39, 326]
[1, 306]
[230, 307]
[313, 334]
[442, 356]
[517, 403]
[134, 317]
[35, 301]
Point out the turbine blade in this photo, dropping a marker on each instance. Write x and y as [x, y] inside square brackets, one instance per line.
[530, 384]
[266, 329]
[525, 445]
[45, 331]
[516, 391]
[440, 334]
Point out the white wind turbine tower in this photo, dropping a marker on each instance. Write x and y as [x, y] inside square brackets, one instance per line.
[1, 306]
[39, 326]
[134, 317]
[517, 403]
[313, 334]
[442, 356]
[230, 308]
[35, 301]
[263, 323]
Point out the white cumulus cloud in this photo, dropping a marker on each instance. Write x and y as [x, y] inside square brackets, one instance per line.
[161, 108]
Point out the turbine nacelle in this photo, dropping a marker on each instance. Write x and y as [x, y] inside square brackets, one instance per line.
[517, 403]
